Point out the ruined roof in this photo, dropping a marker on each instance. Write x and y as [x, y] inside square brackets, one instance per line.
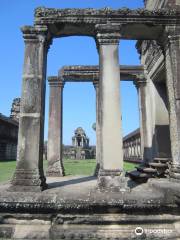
[131, 23]
[8, 120]
[132, 134]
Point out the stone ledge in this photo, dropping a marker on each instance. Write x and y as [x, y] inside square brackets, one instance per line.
[81, 194]
[91, 226]
[73, 208]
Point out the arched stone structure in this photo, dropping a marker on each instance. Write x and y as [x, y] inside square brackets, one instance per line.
[107, 27]
[90, 74]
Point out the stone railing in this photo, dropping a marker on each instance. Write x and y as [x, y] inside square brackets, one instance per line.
[132, 147]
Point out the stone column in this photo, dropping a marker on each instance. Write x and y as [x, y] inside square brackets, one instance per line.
[137, 147]
[29, 175]
[172, 61]
[127, 150]
[145, 128]
[54, 147]
[131, 149]
[96, 86]
[111, 147]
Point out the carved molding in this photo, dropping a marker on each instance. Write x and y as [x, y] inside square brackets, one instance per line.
[51, 12]
[107, 38]
[55, 81]
[37, 34]
[139, 80]
[90, 17]
[153, 51]
[107, 34]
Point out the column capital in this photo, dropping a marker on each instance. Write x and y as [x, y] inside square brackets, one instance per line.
[139, 81]
[34, 34]
[170, 36]
[96, 83]
[55, 81]
[108, 34]
[37, 34]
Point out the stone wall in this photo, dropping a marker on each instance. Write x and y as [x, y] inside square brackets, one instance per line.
[71, 152]
[158, 116]
[152, 58]
[154, 4]
[8, 138]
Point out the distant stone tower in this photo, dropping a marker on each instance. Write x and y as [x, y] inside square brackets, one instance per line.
[80, 148]
[80, 139]
[15, 109]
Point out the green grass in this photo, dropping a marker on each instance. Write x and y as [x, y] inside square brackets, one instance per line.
[7, 170]
[72, 167]
[79, 167]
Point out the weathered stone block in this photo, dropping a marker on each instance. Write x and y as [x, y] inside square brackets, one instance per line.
[6, 232]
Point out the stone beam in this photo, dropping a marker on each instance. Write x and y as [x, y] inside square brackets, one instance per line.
[90, 73]
[134, 24]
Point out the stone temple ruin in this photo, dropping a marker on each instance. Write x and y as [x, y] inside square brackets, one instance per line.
[80, 148]
[111, 205]
[9, 132]
[15, 110]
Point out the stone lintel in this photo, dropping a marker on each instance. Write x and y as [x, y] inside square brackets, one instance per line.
[135, 23]
[85, 73]
[108, 28]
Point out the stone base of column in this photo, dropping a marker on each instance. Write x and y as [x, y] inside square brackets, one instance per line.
[112, 180]
[55, 170]
[174, 172]
[28, 181]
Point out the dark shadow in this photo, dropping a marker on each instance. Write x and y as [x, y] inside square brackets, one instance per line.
[163, 140]
[9, 160]
[161, 144]
[161, 89]
[71, 182]
[132, 184]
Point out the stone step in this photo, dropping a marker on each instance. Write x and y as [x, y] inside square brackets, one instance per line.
[146, 169]
[158, 165]
[162, 160]
[138, 176]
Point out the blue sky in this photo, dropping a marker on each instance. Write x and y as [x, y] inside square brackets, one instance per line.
[79, 99]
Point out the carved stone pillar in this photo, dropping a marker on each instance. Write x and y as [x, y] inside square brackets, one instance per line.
[145, 128]
[172, 61]
[111, 149]
[54, 149]
[29, 175]
[96, 86]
